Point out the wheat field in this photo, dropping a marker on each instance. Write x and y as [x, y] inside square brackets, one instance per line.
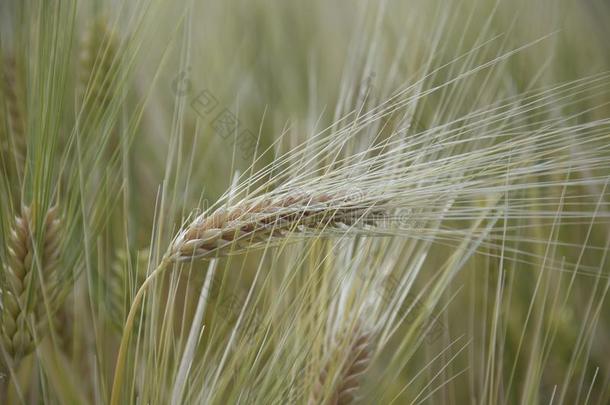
[323, 202]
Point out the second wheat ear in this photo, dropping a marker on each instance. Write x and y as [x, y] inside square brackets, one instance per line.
[24, 317]
[352, 364]
[98, 65]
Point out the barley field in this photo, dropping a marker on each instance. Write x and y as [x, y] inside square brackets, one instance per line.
[304, 202]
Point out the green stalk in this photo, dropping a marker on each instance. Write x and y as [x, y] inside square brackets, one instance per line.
[121, 357]
[3, 385]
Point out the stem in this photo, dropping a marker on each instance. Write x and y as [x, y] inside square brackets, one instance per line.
[121, 357]
[3, 386]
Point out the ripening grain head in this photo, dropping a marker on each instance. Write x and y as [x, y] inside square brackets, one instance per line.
[24, 314]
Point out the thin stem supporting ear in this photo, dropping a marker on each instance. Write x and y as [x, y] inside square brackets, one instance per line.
[121, 357]
[3, 385]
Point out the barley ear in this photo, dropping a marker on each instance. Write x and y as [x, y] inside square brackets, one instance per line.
[13, 95]
[254, 224]
[127, 273]
[98, 67]
[22, 303]
[348, 366]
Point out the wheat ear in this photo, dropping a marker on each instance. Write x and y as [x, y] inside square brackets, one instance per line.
[23, 309]
[251, 224]
[353, 363]
[126, 274]
[15, 110]
[98, 67]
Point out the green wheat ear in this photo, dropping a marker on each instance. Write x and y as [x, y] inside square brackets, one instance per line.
[24, 316]
[13, 91]
[126, 275]
[98, 68]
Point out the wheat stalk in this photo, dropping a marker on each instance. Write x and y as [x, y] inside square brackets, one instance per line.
[353, 363]
[23, 309]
